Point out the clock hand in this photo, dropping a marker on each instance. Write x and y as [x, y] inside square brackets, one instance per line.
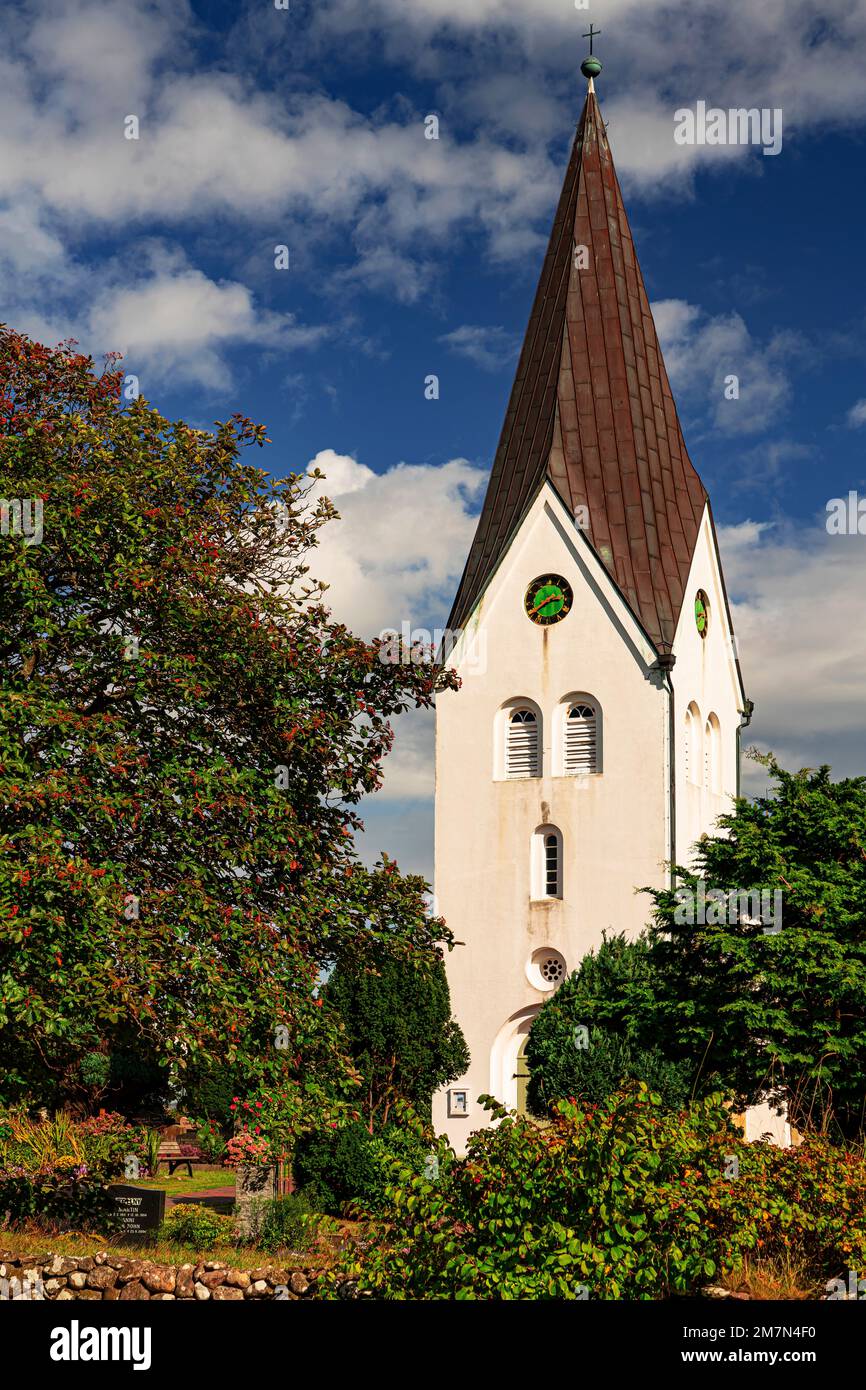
[550, 598]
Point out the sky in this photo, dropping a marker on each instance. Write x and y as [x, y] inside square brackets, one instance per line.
[305, 127]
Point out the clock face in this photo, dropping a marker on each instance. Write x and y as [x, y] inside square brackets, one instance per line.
[702, 612]
[548, 599]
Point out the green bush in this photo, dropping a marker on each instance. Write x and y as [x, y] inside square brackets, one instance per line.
[336, 1166]
[283, 1223]
[623, 1200]
[598, 1032]
[594, 1072]
[189, 1223]
[351, 1165]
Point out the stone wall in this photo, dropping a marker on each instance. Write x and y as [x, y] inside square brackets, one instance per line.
[107, 1277]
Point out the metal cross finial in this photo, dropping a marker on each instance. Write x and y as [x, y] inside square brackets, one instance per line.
[593, 34]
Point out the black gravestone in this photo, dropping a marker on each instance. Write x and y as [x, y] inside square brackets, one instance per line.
[140, 1212]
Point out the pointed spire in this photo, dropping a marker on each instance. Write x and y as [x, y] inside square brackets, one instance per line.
[591, 409]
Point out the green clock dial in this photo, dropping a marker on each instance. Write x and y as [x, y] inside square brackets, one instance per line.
[548, 599]
[702, 612]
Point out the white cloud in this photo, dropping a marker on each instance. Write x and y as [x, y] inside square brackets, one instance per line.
[398, 550]
[395, 556]
[703, 352]
[167, 318]
[797, 594]
[489, 348]
[857, 415]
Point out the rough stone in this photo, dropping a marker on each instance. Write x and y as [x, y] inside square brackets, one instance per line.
[58, 1265]
[211, 1278]
[65, 1294]
[201, 1292]
[185, 1282]
[77, 1279]
[259, 1287]
[134, 1290]
[238, 1279]
[223, 1293]
[102, 1278]
[299, 1283]
[133, 1269]
[87, 1263]
[159, 1279]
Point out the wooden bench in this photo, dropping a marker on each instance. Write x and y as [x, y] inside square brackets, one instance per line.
[169, 1153]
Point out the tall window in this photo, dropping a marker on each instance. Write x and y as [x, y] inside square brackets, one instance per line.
[580, 739]
[692, 752]
[713, 754]
[551, 866]
[546, 875]
[523, 746]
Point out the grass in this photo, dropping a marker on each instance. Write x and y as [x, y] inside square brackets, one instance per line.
[180, 1183]
[779, 1277]
[35, 1242]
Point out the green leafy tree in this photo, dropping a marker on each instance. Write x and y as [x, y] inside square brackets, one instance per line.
[773, 1001]
[598, 1031]
[402, 1037]
[185, 734]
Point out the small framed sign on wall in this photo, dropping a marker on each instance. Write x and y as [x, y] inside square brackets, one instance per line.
[458, 1104]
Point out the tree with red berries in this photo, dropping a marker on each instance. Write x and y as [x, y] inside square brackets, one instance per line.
[185, 735]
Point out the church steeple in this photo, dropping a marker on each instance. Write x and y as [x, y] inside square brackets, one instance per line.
[591, 409]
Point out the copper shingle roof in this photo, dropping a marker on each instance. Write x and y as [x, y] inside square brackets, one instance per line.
[591, 408]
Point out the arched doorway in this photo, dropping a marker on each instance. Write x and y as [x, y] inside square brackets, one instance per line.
[508, 1047]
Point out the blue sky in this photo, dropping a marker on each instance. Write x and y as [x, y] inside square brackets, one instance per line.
[261, 127]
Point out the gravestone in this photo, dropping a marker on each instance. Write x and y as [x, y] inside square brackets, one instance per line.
[141, 1212]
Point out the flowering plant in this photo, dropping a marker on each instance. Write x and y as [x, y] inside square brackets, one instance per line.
[247, 1148]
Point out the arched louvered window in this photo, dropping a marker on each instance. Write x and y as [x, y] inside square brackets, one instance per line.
[551, 865]
[523, 746]
[580, 739]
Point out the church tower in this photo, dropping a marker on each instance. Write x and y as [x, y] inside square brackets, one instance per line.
[596, 733]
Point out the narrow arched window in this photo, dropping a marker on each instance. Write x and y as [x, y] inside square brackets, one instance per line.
[580, 739]
[712, 754]
[523, 751]
[692, 751]
[546, 877]
[551, 866]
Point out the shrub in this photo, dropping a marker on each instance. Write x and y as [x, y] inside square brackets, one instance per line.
[283, 1223]
[210, 1141]
[336, 1166]
[189, 1223]
[617, 1201]
[559, 1068]
[56, 1169]
[350, 1165]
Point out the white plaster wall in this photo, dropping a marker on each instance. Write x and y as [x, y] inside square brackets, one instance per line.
[705, 673]
[613, 824]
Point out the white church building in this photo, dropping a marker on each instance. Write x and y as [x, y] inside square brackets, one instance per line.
[596, 734]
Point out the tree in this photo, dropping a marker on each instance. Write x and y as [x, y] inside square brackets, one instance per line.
[185, 734]
[401, 1035]
[598, 1031]
[769, 994]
